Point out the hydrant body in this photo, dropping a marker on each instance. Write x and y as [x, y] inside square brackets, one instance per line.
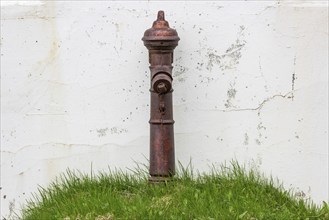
[161, 41]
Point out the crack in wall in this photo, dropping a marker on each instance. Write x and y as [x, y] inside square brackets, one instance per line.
[69, 145]
[258, 108]
[261, 105]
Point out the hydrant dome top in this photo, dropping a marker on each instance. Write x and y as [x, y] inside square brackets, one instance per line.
[160, 30]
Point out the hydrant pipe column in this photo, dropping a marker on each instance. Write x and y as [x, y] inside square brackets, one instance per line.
[161, 40]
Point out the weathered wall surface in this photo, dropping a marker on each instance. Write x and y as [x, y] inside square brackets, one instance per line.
[250, 80]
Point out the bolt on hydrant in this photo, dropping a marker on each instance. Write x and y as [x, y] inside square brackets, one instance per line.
[161, 41]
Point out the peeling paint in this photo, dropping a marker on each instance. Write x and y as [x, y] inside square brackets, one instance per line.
[246, 139]
[102, 132]
[293, 80]
[230, 95]
[230, 59]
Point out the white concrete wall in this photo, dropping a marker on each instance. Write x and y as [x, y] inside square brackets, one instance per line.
[250, 80]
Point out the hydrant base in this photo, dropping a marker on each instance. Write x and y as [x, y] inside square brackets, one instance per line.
[160, 179]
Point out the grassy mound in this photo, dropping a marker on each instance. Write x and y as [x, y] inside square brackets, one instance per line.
[227, 193]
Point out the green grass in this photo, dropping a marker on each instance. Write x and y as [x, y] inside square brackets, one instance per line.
[226, 193]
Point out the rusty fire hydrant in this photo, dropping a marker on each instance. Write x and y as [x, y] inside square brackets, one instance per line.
[161, 41]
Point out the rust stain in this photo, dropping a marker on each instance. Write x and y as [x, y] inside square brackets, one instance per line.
[50, 8]
[47, 93]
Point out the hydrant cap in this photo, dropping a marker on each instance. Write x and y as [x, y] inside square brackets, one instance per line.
[160, 30]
